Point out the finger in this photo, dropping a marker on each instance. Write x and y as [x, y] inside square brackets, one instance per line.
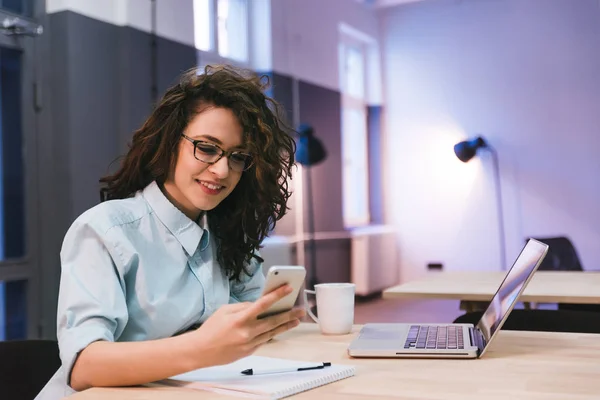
[274, 289]
[265, 337]
[282, 317]
[269, 323]
[263, 303]
[299, 312]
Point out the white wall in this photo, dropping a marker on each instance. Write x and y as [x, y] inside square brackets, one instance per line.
[305, 36]
[524, 74]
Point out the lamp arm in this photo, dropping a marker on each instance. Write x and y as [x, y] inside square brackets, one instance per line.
[499, 206]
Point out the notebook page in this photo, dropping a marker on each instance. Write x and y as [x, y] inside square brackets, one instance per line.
[229, 377]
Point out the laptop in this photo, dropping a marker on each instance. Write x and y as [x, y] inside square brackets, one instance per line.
[399, 340]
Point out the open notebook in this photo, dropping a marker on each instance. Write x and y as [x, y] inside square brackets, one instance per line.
[229, 379]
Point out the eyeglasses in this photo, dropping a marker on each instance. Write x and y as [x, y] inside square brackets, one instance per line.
[210, 153]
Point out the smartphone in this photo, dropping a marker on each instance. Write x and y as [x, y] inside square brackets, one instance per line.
[279, 275]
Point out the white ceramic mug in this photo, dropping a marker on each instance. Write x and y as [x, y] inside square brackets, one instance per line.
[335, 306]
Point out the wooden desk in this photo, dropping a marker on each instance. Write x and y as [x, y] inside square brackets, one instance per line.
[480, 286]
[519, 365]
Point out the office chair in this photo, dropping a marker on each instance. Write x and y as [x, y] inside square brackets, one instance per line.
[562, 256]
[543, 320]
[26, 366]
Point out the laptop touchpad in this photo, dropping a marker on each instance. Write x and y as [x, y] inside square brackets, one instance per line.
[381, 333]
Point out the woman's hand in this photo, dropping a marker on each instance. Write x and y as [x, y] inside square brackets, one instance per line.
[234, 331]
[231, 333]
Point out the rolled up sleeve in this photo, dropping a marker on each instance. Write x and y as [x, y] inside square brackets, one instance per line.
[249, 287]
[91, 303]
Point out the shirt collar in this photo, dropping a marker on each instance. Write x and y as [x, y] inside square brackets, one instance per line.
[188, 233]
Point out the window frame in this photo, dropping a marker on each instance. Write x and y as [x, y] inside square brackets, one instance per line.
[352, 102]
[27, 268]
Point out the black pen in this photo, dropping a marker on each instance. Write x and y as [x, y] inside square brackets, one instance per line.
[260, 371]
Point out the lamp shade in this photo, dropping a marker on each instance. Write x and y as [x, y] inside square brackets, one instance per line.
[467, 149]
[309, 149]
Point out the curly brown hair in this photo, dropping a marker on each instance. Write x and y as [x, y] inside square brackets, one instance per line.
[245, 217]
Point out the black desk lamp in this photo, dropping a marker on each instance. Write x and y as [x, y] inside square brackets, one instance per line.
[310, 152]
[467, 150]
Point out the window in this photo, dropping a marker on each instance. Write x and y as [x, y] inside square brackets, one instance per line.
[221, 28]
[354, 72]
[19, 7]
[203, 27]
[355, 168]
[233, 29]
[361, 87]
[13, 202]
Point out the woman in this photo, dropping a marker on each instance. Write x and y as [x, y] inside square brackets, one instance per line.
[175, 244]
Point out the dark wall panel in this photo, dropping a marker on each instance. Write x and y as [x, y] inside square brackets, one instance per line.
[135, 99]
[98, 90]
[320, 108]
[54, 140]
[108, 77]
[173, 59]
[94, 89]
[281, 91]
[54, 160]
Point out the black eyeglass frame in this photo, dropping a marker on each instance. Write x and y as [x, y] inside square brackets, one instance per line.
[223, 153]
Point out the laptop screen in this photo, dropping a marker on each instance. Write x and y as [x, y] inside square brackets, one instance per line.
[514, 282]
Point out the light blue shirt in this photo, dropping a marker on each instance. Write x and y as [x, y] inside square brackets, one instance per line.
[138, 269]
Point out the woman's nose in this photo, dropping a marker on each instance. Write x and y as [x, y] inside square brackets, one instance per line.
[220, 168]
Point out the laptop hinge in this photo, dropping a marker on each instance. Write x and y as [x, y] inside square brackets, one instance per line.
[477, 339]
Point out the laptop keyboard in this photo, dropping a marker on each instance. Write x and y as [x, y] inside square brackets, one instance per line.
[435, 337]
